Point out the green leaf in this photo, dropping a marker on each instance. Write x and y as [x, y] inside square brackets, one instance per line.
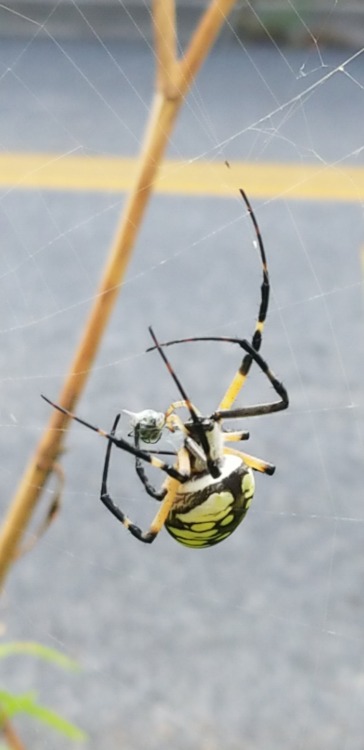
[8, 704]
[41, 652]
[26, 703]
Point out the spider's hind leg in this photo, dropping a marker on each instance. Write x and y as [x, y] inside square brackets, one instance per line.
[252, 461]
[234, 436]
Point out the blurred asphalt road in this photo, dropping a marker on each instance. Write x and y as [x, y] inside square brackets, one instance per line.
[255, 644]
[296, 25]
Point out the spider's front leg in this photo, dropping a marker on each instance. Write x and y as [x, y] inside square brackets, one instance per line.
[139, 468]
[148, 537]
[148, 426]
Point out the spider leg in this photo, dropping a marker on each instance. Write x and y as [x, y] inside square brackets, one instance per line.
[211, 464]
[173, 423]
[178, 405]
[245, 365]
[247, 411]
[123, 444]
[139, 468]
[232, 436]
[144, 536]
[255, 463]
[229, 435]
[242, 374]
[265, 286]
[259, 409]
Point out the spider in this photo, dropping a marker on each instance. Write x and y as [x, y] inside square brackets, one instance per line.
[209, 486]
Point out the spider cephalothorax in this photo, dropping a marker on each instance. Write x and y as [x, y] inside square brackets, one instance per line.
[209, 486]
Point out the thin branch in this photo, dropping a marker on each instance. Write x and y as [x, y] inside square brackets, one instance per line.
[11, 736]
[162, 118]
[203, 39]
[165, 41]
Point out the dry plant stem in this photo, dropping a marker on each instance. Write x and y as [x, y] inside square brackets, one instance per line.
[11, 736]
[163, 115]
[165, 41]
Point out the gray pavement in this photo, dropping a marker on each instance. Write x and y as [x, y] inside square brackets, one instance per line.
[258, 642]
[297, 25]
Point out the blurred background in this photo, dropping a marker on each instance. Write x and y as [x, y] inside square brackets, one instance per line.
[338, 23]
[256, 643]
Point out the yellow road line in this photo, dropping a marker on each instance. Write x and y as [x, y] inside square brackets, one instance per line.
[115, 174]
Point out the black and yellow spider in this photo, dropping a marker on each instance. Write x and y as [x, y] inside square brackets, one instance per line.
[209, 486]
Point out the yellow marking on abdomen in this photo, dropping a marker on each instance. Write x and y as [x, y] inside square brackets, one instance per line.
[212, 509]
[214, 519]
[207, 526]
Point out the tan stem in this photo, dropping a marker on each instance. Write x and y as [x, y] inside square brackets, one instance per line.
[12, 738]
[203, 39]
[165, 42]
[162, 118]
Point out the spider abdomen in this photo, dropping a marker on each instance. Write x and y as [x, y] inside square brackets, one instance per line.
[206, 510]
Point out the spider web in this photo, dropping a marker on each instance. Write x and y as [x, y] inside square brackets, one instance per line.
[255, 643]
